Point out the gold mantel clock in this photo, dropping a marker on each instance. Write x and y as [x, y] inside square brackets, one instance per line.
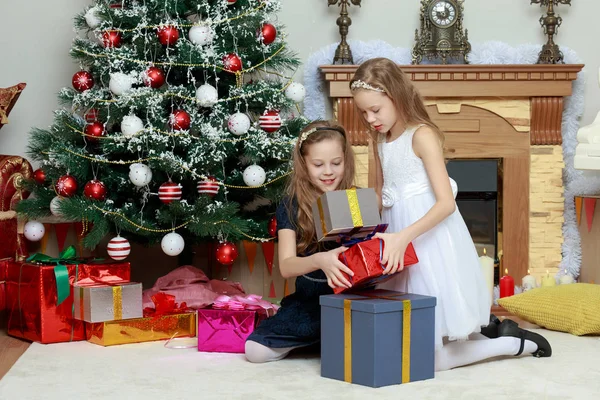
[441, 36]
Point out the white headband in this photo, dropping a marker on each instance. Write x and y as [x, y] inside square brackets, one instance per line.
[358, 84]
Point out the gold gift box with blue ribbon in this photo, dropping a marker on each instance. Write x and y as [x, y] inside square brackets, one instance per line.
[350, 213]
[377, 338]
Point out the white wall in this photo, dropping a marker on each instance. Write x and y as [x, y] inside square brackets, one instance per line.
[34, 45]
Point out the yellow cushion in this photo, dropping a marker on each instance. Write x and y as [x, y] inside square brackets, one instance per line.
[572, 308]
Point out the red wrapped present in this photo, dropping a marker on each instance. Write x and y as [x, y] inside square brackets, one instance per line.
[39, 294]
[225, 327]
[364, 259]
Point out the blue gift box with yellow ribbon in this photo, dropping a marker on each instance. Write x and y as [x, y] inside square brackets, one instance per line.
[377, 338]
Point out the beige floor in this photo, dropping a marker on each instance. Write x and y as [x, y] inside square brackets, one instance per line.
[10, 348]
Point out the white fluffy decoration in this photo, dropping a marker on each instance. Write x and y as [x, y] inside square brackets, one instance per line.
[120, 83]
[207, 95]
[91, 17]
[130, 125]
[201, 35]
[493, 52]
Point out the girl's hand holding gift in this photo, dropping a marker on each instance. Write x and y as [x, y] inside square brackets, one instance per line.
[394, 247]
[332, 267]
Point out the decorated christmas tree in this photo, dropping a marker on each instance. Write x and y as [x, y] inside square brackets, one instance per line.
[177, 129]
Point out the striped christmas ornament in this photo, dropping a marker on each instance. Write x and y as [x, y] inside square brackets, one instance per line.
[208, 186]
[118, 248]
[169, 191]
[270, 121]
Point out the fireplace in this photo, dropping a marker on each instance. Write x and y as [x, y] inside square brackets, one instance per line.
[477, 200]
[509, 115]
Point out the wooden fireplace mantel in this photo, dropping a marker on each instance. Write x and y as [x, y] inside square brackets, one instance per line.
[475, 132]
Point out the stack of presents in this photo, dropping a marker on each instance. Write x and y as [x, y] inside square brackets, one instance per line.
[369, 337]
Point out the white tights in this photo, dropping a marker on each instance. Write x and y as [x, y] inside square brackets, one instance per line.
[452, 355]
[478, 348]
[258, 353]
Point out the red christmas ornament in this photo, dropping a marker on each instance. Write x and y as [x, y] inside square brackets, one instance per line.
[231, 2]
[111, 39]
[168, 35]
[227, 253]
[154, 77]
[267, 33]
[270, 121]
[82, 80]
[180, 120]
[232, 62]
[95, 190]
[66, 186]
[39, 176]
[272, 227]
[169, 191]
[208, 186]
[91, 115]
[94, 130]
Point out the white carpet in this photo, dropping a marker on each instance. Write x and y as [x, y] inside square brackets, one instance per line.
[149, 371]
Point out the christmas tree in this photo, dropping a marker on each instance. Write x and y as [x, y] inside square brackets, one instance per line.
[177, 129]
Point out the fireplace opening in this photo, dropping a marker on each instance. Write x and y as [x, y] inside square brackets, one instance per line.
[478, 200]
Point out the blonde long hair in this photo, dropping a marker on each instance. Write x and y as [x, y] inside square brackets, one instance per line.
[301, 188]
[384, 74]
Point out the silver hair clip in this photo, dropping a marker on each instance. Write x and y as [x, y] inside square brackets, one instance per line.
[358, 84]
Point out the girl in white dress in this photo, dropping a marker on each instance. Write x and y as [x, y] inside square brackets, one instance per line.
[418, 203]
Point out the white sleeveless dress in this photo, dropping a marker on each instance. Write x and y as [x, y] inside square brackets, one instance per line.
[448, 266]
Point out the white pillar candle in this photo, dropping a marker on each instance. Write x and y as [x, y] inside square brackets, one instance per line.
[528, 282]
[487, 267]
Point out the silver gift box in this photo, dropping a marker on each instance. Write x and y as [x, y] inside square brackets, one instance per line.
[352, 212]
[100, 303]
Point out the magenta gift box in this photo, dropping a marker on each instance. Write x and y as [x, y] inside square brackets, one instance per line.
[225, 331]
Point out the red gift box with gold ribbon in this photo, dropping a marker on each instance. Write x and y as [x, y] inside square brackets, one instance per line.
[364, 259]
[39, 295]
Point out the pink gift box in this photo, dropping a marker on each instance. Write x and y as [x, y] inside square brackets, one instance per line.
[225, 327]
[225, 331]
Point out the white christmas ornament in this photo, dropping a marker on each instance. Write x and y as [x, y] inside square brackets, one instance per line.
[140, 174]
[238, 123]
[120, 83]
[91, 17]
[201, 35]
[295, 92]
[118, 248]
[172, 244]
[34, 231]
[254, 175]
[130, 125]
[54, 206]
[207, 95]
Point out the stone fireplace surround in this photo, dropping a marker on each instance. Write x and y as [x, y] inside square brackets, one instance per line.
[508, 112]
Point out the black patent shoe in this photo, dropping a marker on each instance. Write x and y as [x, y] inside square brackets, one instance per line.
[491, 331]
[511, 328]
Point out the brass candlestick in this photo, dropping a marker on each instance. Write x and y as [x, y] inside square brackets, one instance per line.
[550, 53]
[343, 54]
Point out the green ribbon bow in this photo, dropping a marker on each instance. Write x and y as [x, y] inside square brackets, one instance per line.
[68, 255]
